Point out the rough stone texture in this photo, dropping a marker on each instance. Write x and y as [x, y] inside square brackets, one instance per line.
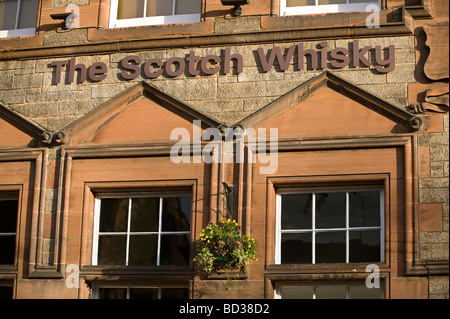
[65, 3]
[231, 25]
[438, 288]
[434, 189]
[29, 86]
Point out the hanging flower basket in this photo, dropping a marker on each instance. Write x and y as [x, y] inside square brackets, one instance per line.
[222, 246]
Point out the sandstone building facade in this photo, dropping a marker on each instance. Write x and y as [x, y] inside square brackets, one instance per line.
[348, 173]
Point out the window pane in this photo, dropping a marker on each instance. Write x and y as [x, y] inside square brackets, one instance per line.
[362, 292]
[331, 292]
[28, 14]
[174, 293]
[144, 214]
[7, 250]
[364, 246]
[296, 3]
[129, 9]
[159, 8]
[187, 6]
[8, 13]
[296, 248]
[296, 211]
[6, 292]
[332, 2]
[8, 216]
[330, 210]
[143, 293]
[143, 250]
[176, 214]
[114, 215]
[297, 292]
[364, 209]
[112, 249]
[331, 247]
[175, 250]
[112, 293]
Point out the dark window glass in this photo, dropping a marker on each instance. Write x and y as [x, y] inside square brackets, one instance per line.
[8, 225]
[145, 214]
[296, 211]
[175, 250]
[114, 215]
[296, 248]
[6, 292]
[330, 210]
[112, 249]
[364, 209]
[176, 214]
[331, 247]
[174, 293]
[143, 293]
[143, 250]
[112, 293]
[364, 246]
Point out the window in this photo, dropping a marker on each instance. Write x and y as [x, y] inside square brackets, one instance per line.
[336, 290]
[140, 292]
[142, 230]
[6, 290]
[127, 13]
[330, 226]
[18, 17]
[296, 7]
[8, 224]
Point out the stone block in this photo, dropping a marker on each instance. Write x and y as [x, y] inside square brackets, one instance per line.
[6, 80]
[433, 139]
[239, 24]
[364, 76]
[433, 195]
[28, 81]
[241, 90]
[387, 91]
[72, 36]
[439, 287]
[433, 182]
[402, 73]
[12, 96]
[192, 90]
[439, 153]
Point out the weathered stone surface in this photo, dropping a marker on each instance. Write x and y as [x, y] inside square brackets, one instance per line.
[240, 24]
[439, 287]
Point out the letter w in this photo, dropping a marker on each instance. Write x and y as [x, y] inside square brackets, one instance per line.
[283, 61]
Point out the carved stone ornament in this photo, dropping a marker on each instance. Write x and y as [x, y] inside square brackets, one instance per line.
[437, 65]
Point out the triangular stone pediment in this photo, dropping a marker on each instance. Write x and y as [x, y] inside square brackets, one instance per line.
[327, 106]
[16, 131]
[141, 114]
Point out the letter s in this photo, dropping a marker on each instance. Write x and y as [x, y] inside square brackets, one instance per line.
[127, 64]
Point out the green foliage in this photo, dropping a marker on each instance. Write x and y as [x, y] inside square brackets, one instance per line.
[223, 246]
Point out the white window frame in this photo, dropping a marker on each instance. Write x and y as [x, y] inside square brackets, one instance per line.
[17, 32]
[315, 285]
[114, 22]
[128, 233]
[330, 8]
[313, 230]
[97, 286]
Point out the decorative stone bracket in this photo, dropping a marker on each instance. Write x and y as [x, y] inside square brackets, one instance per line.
[53, 139]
